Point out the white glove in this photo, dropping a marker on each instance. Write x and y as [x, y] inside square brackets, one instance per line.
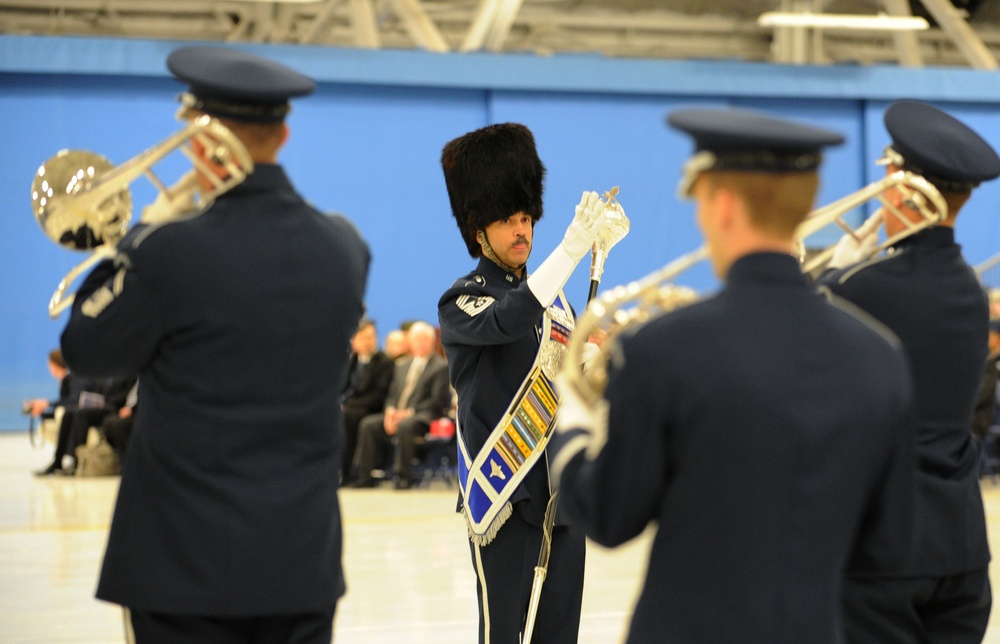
[850, 251]
[555, 270]
[587, 223]
[181, 199]
[592, 356]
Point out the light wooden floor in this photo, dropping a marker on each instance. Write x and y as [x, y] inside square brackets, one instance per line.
[410, 580]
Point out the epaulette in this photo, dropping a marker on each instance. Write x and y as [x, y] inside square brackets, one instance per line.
[468, 280]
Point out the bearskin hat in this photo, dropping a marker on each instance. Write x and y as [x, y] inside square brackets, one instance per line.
[491, 174]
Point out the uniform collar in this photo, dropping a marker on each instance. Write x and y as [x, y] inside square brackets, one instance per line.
[779, 268]
[265, 177]
[940, 236]
[487, 268]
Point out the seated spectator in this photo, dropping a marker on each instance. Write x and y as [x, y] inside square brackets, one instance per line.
[70, 388]
[95, 400]
[369, 375]
[985, 410]
[117, 428]
[44, 408]
[419, 393]
[984, 413]
[395, 344]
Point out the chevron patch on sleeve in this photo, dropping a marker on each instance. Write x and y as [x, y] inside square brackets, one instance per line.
[474, 305]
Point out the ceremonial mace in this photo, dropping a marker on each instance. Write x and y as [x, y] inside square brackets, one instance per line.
[616, 226]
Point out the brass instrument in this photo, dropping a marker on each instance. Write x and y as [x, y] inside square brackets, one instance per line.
[986, 264]
[653, 295]
[919, 194]
[656, 294]
[82, 201]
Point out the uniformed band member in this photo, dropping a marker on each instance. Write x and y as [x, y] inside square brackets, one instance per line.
[238, 321]
[925, 292]
[764, 430]
[503, 330]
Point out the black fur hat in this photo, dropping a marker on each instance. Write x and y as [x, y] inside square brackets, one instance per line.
[491, 174]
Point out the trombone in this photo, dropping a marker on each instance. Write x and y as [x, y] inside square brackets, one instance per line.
[82, 201]
[916, 191]
[656, 293]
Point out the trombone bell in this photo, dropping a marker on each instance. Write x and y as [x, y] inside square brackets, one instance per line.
[60, 206]
[82, 201]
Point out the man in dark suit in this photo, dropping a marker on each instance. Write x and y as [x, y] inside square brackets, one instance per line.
[764, 431]
[928, 295]
[369, 376]
[418, 395]
[238, 321]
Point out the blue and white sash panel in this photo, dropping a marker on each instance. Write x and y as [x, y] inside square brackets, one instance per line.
[519, 439]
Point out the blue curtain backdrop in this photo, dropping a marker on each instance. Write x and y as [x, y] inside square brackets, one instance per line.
[367, 145]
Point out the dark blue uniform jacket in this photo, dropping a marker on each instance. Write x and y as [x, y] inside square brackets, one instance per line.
[238, 322]
[925, 292]
[490, 326]
[766, 434]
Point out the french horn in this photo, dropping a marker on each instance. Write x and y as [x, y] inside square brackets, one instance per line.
[83, 202]
[657, 294]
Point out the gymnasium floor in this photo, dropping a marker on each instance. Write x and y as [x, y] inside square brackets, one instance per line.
[408, 570]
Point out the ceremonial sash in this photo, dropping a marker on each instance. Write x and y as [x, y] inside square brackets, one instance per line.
[518, 441]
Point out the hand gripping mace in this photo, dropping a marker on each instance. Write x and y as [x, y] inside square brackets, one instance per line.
[616, 226]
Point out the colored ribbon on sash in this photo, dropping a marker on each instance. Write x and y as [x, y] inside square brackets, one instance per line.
[518, 441]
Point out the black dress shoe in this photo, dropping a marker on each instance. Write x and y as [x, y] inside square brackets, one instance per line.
[402, 484]
[48, 471]
[361, 484]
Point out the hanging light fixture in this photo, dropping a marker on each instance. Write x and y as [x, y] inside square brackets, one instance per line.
[879, 22]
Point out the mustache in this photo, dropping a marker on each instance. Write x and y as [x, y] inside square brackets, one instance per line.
[520, 239]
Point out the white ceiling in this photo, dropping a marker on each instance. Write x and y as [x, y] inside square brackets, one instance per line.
[964, 33]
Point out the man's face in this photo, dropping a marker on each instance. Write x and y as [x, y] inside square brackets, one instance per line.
[57, 371]
[395, 344]
[421, 342]
[365, 341]
[511, 239]
[890, 222]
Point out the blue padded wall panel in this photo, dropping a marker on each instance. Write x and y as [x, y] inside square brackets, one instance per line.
[373, 154]
[368, 143]
[593, 142]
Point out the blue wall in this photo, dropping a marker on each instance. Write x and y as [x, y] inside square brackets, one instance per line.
[367, 145]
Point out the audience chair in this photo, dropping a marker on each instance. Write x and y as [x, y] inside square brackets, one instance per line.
[440, 454]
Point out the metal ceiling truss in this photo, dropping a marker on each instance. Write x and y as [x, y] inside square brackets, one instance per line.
[626, 28]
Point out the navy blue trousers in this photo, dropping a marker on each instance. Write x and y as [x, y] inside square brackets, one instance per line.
[505, 571]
